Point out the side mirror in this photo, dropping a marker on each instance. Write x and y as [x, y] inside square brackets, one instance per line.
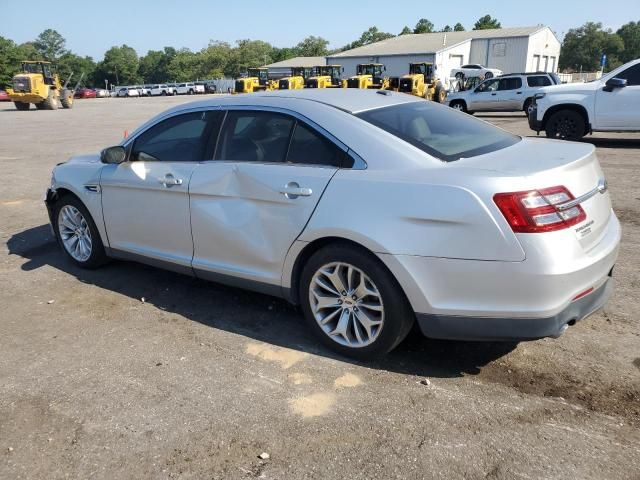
[614, 83]
[113, 155]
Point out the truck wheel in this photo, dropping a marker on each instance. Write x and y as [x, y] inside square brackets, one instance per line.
[51, 102]
[565, 124]
[22, 106]
[66, 98]
[441, 94]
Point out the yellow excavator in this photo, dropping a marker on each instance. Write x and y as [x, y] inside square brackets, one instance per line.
[369, 75]
[326, 76]
[38, 83]
[297, 79]
[257, 80]
[422, 82]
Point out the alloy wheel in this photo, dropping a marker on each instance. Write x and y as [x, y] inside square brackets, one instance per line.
[75, 233]
[346, 304]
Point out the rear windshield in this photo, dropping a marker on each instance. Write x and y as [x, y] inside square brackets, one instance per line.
[440, 131]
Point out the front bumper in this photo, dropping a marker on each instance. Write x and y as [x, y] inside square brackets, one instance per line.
[534, 123]
[513, 329]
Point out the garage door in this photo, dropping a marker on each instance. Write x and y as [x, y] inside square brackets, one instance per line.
[455, 61]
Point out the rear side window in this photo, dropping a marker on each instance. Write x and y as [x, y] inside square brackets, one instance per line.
[309, 148]
[440, 131]
[512, 83]
[181, 138]
[538, 81]
[253, 136]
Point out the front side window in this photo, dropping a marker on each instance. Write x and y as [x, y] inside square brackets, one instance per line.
[255, 136]
[488, 86]
[631, 75]
[440, 131]
[538, 81]
[181, 138]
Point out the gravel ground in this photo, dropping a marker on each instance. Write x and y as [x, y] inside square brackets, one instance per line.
[198, 380]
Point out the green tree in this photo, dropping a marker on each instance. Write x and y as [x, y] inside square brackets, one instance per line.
[487, 22]
[423, 26]
[184, 66]
[213, 59]
[280, 54]
[582, 48]
[372, 35]
[630, 35]
[406, 31]
[50, 45]
[458, 27]
[313, 47]
[248, 53]
[447, 28]
[119, 66]
[9, 61]
[71, 63]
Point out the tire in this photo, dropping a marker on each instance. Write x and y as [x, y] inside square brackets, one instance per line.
[85, 226]
[385, 300]
[51, 103]
[528, 105]
[488, 75]
[459, 75]
[459, 105]
[39, 106]
[565, 124]
[22, 106]
[163, 94]
[66, 98]
[440, 94]
[190, 92]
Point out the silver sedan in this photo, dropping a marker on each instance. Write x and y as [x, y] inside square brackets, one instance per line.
[371, 210]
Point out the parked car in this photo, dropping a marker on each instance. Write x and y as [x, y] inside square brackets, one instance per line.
[128, 92]
[475, 70]
[372, 210]
[189, 88]
[101, 93]
[507, 93]
[4, 96]
[210, 87]
[144, 91]
[608, 104]
[85, 93]
[162, 89]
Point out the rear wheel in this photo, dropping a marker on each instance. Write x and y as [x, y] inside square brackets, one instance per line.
[352, 302]
[565, 124]
[77, 233]
[22, 106]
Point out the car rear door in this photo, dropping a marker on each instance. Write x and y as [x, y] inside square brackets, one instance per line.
[250, 204]
[145, 200]
[619, 108]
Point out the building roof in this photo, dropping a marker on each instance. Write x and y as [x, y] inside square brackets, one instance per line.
[419, 43]
[299, 62]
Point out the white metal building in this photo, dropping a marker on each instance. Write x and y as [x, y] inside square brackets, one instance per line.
[511, 50]
[283, 68]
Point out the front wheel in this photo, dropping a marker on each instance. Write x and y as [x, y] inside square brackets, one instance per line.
[528, 107]
[488, 75]
[565, 124]
[22, 106]
[352, 302]
[77, 233]
[458, 105]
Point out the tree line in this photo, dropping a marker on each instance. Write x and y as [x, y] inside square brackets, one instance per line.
[582, 48]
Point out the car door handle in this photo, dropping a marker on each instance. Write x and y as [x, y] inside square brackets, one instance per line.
[493, 94]
[292, 190]
[169, 181]
[518, 93]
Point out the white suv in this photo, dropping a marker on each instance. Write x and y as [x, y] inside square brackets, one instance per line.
[608, 104]
[162, 89]
[508, 93]
[189, 88]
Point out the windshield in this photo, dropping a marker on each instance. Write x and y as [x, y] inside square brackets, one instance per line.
[440, 131]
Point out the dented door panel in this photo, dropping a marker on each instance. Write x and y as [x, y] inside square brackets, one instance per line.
[245, 216]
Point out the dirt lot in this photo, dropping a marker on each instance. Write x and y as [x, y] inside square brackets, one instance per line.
[198, 380]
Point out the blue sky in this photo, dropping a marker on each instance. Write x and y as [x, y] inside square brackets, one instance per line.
[90, 29]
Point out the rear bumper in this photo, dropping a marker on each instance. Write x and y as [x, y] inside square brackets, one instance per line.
[513, 329]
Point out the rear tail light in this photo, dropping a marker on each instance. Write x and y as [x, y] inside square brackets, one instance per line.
[536, 211]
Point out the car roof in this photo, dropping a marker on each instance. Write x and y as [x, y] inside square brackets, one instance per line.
[346, 99]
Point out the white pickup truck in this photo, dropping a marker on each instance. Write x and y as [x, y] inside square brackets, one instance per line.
[608, 104]
[189, 88]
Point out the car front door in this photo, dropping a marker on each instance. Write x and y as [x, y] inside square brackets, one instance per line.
[619, 108]
[145, 200]
[509, 96]
[483, 96]
[250, 204]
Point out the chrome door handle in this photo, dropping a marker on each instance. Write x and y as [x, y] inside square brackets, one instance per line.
[292, 191]
[169, 181]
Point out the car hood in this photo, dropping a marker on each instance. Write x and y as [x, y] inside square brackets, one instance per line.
[84, 159]
[571, 87]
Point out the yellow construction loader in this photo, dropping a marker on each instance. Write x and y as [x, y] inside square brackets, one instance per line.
[369, 75]
[326, 76]
[38, 83]
[297, 79]
[257, 80]
[422, 82]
